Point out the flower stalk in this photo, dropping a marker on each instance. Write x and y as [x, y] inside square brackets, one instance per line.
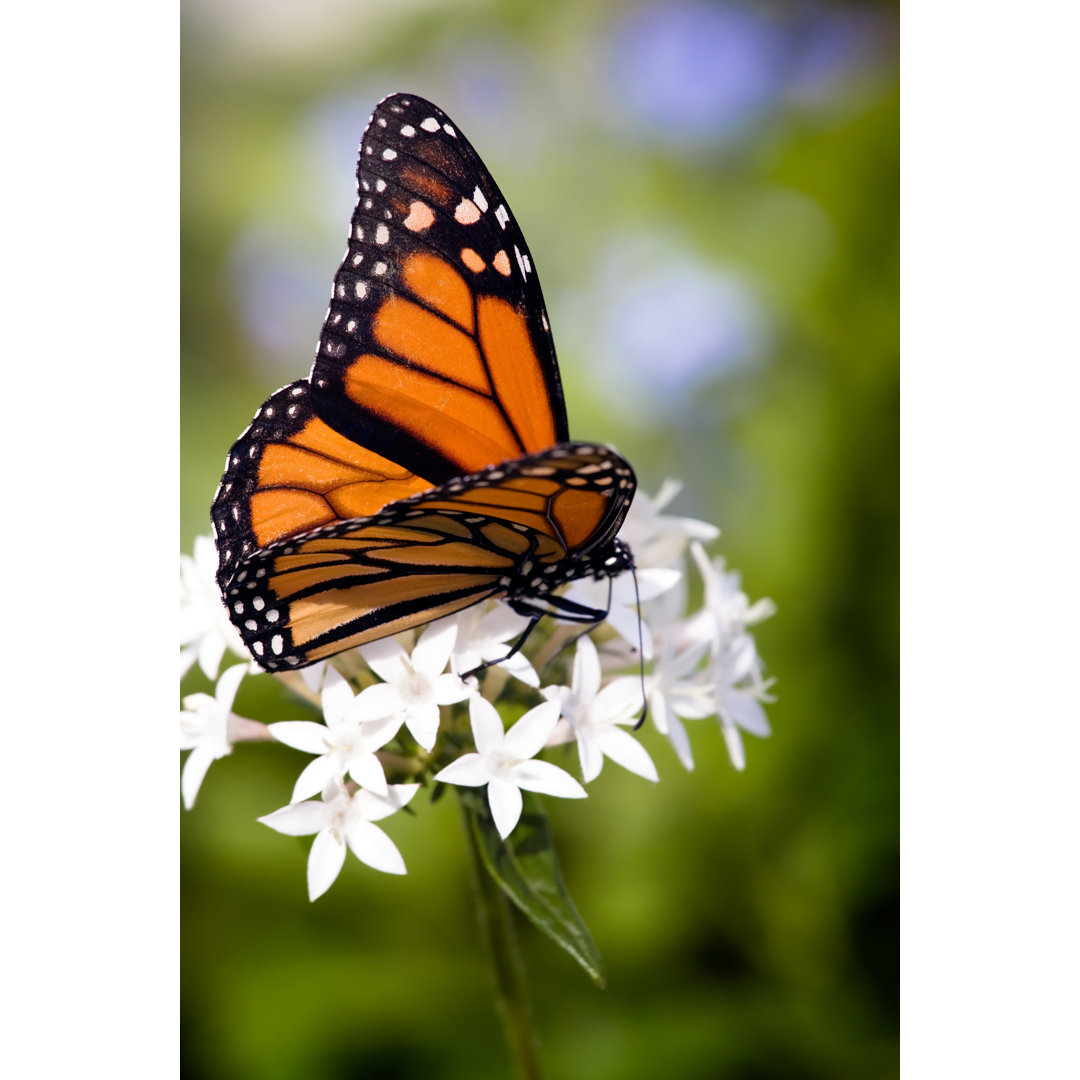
[496, 922]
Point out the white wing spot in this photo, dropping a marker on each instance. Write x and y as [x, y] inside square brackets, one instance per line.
[449, 129]
[420, 217]
[382, 235]
[480, 200]
[389, 154]
[361, 290]
[466, 212]
[502, 216]
[430, 124]
[277, 644]
[380, 185]
[358, 259]
[380, 268]
[408, 131]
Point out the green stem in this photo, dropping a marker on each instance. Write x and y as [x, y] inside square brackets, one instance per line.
[493, 910]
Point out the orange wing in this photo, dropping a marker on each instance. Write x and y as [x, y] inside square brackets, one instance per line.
[520, 531]
[436, 347]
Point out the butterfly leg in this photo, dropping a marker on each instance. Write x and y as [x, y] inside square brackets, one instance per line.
[534, 618]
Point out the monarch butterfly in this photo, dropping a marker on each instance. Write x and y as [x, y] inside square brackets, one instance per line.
[425, 464]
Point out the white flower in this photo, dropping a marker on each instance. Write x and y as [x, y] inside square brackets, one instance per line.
[725, 602]
[594, 713]
[739, 692]
[205, 629]
[486, 636]
[414, 686]
[657, 539]
[677, 691]
[342, 819]
[622, 614]
[503, 761]
[208, 728]
[345, 744]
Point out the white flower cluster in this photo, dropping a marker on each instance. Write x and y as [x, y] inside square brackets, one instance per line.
[382, 704]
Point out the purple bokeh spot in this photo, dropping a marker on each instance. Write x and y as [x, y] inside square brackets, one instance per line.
[697, 72]
[282, 294]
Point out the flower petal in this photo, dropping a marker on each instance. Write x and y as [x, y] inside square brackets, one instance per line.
[680, 741]
[628, 624]
[422, 720]
[385, 657]
[586, 675]
[313, 779]
[626, 751]
[372, 846]
[747, 713]
[367, 771]
[228, 684]
[734, 743]
[211, 653]
[298, 819]
[529, 735]
[590, 755]
[547, 779]
[198, 761]
[304, 735]
[487, 725]
[618, 701]
[518, 665]
[368, 806]
[470, 770]
[337, 696]
[449, 689]
[504, 798]
[376, 702]
[431, 653]
[324, 863]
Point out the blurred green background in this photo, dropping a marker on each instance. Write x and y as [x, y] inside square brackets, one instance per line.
[710, 191]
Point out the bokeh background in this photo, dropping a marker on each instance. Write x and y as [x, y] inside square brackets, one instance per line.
[710, 191]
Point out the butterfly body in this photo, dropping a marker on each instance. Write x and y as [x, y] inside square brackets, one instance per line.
[425, 464]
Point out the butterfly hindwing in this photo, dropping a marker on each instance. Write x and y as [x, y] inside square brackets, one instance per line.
[517, 530]
[290, 472]
[437, 327]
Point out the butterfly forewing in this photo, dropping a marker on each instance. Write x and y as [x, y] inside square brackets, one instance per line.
[436, 327]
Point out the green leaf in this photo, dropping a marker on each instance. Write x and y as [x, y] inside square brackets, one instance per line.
[526, 868]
